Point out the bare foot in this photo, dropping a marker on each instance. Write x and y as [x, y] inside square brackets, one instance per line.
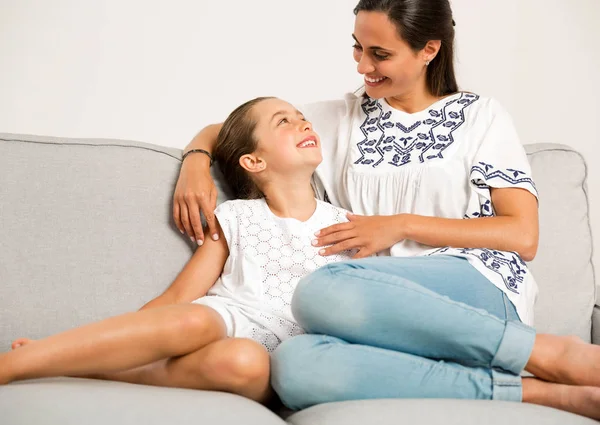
[21, 342]
[5, 377]
[565, 360]
[584, 401]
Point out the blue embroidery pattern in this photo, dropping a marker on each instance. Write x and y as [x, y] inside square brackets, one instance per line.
[398, 145]
[485, 210]
[487, 172]
[508, 265]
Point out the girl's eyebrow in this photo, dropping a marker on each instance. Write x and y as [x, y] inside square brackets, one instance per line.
[283, 112]
[372, 47]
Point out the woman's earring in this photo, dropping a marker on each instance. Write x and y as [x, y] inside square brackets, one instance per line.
[427, 62]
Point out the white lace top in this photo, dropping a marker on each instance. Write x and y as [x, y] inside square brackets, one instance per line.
[438, 162]
[268, 255]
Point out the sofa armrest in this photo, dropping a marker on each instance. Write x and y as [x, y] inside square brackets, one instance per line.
[596, 325]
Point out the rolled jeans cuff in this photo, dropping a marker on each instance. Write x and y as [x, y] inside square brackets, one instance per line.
[515, 348]
[506, 386]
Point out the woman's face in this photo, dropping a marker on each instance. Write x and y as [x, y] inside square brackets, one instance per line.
[389, 66]
[286, 141]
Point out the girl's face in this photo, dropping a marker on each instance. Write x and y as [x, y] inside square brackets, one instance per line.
[390, 67]
[286, 141]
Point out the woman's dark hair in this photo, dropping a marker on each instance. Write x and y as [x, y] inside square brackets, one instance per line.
[419, 21]
[235, 140]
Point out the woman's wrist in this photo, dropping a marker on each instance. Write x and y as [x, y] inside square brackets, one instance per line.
[404, 226]
[197, 159]
[198, 151]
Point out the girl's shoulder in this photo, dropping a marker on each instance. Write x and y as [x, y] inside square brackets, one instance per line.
[240, 206]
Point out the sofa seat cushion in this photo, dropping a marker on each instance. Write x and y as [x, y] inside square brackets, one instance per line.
[434, 412]
[75, 401]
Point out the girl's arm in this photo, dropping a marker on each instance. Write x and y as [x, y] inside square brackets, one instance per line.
[198, 275]
[514, 228]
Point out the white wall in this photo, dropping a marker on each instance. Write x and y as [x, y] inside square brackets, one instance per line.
[158, 71]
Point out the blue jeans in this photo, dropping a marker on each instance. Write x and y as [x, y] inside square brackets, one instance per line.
[385, 327]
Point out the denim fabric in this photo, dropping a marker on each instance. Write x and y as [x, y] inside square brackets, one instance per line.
[385, 327]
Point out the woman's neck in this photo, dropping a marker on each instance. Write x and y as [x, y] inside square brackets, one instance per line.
[416, 100]
[290, 201]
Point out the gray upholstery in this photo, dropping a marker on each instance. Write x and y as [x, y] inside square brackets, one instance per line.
[446, 412]
[86, 232]
[563, 266]
[81, 401]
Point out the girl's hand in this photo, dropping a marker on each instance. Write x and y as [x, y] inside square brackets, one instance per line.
[367, 234]
[195, 193]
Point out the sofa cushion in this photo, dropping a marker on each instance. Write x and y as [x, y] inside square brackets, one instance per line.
[430, 412]
[86, 231]
[69, 401]
[563, 265]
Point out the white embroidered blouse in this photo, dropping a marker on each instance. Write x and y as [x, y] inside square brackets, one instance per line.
[441, 162]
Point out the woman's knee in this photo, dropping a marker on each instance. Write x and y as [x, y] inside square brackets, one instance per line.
[292, 367]
[325, 300]
[315, 295]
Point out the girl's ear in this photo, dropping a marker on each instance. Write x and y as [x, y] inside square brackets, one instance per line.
[253, 163]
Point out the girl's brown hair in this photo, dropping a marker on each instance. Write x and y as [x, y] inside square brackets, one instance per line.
[235, 140]
[417, 22]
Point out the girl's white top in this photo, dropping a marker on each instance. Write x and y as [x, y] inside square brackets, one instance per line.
[439, 162]
[268, 255]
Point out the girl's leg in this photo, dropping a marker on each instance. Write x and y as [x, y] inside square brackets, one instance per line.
[236, 365]
[355, 372]
[437, 307]
[118, 343]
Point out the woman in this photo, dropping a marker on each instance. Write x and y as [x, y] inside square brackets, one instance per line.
[430, 169]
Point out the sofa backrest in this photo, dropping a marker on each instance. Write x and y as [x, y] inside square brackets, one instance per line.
[86, 232]
[563, 266]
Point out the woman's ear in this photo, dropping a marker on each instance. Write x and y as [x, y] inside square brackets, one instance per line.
[253, 163]
[431, 50]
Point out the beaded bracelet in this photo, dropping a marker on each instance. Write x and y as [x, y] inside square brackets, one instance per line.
[201, 151]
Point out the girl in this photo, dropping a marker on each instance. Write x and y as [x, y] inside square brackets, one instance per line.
[198, 333]
[444, 187]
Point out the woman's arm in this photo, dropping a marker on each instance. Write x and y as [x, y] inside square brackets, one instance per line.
[205, 139]
[514, 228]
[198, 275]
[195, 191]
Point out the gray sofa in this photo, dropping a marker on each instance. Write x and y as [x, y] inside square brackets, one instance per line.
[86, 232]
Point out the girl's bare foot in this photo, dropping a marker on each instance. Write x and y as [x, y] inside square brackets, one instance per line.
[565, 360]
[584, 401]
[5, 378]
[20, 342]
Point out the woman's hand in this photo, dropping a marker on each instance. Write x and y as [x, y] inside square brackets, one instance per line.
[368, 234]
[195, 193]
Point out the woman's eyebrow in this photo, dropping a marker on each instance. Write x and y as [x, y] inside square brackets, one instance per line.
[372, 47]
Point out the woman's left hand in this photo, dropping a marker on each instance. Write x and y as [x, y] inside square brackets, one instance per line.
[367, 234]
